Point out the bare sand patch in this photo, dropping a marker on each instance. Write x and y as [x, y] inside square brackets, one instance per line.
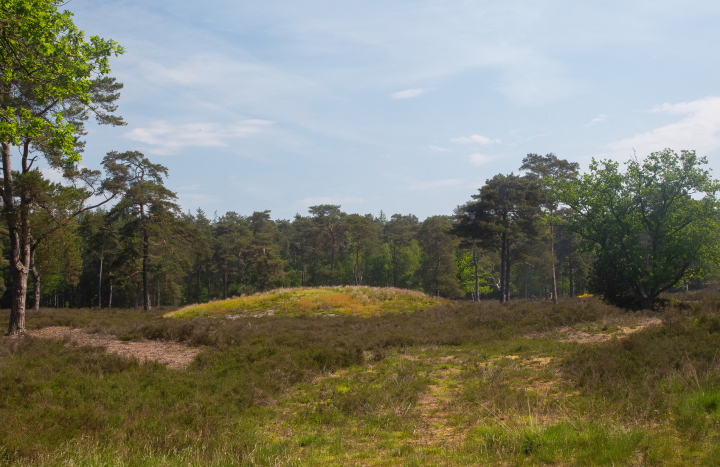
[172, 354]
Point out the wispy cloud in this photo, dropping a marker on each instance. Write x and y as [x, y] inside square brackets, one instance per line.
[435, 184]
[165, 138]
[480, 159]
[439, 149]
[408, 93]
[597, 119]
[698, 129]
[475, 139]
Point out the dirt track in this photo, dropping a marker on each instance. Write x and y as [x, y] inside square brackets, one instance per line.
[172, 354]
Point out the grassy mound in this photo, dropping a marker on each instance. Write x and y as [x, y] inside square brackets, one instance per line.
[353, 301]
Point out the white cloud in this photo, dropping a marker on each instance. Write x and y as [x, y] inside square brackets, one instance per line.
[597, 119]
[699, 129]
[475, 139]
[480, 159]
[165, 138]
[53, 175]
[434, 184]
[439, 149]
[408, 93]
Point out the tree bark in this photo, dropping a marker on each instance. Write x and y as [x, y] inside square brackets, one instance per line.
[570, 268]
[100, 283]
[476, 261]
[36, 280]
[437, 274]
[110, 297]
[146, 271]
[507, 273]
[19, 233]
[503, 266]
[552, 258]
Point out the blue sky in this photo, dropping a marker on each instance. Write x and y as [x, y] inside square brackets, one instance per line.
[404, 106]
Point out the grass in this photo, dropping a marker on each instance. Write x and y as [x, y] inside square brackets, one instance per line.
[352, 301]
[451, 384]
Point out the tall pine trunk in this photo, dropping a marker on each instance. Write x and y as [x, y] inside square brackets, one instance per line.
[476, 261]
[552, 258]
[507, 272]
[100, 283]
[36, 278]
[19, 233]
[570, 268]
[146, 271]
[503, 266]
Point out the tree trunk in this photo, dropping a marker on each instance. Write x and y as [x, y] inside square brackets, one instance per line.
[437, 275]
[19, 233]
[507, 273]
[503, 266]
[110, 297]
[36, 279]
[146, 271]
[332, 264]
[100, 283]
[394, 261]
[476, 261]
[552, 258]
[225, 285]
[357, 266]
[646, 302]
[570, 268]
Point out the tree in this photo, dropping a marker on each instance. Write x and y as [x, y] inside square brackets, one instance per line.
[399, 232]
[362, 236]
[650, 226]
[545, 170]
[51, 78]
[148, 207]
[506, 210]
[475, 271]
[330, 220]
[101, 245]
[438, 266]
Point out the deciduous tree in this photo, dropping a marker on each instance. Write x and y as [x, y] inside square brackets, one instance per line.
[650, 225]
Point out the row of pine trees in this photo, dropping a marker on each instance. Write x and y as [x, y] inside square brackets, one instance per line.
[144, 252]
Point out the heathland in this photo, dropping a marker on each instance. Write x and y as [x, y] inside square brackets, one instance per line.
[310, 377]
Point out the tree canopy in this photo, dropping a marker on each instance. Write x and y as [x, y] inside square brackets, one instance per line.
[648, 226]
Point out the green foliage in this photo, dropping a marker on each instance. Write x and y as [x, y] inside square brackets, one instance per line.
[466, 272]
[46, 61]
[645, 226]
[438, 269]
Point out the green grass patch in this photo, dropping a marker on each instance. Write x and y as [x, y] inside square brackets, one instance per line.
[353, 301]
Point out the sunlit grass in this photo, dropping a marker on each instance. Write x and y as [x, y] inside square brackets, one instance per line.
[353, 301]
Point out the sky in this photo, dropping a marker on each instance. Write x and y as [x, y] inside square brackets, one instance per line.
[400, 106]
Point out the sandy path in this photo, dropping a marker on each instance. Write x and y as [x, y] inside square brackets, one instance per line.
[172, 354]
